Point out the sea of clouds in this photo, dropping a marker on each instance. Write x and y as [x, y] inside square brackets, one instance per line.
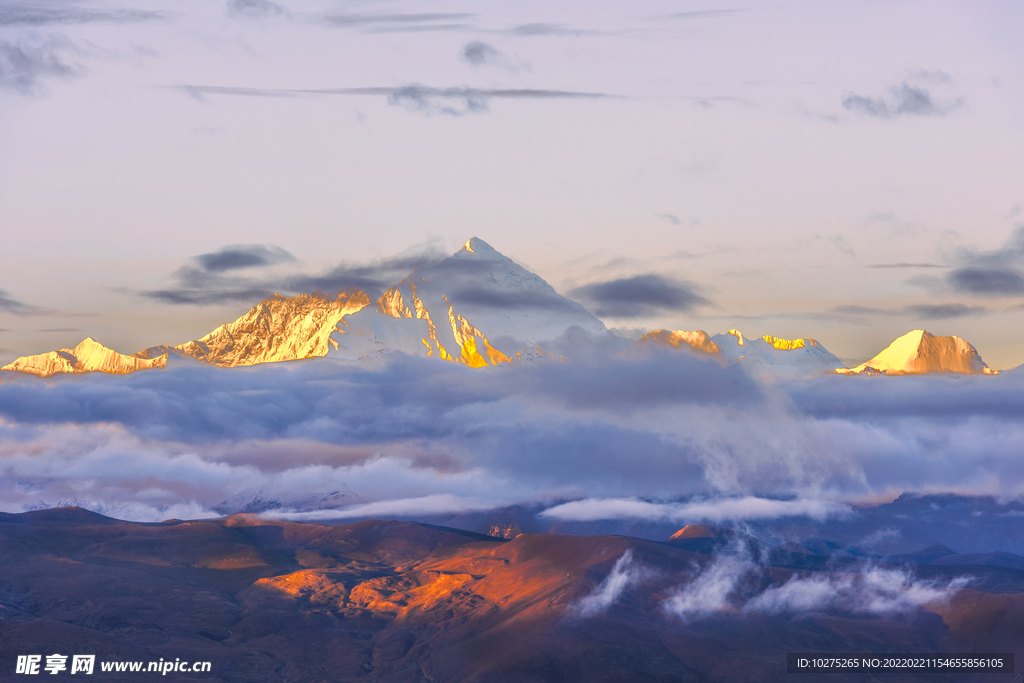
[664, 438]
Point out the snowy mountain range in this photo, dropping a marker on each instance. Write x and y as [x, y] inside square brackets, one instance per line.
[480, 308]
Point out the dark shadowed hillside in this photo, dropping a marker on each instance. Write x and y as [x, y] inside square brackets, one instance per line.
[401, 601]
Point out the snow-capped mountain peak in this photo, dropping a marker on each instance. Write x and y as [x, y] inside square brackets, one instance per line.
[920, 352]
[476, 307]
[88, 356]
[480, 249]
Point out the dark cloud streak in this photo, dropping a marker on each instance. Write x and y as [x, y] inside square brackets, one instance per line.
[640, 295]
[991, 273]
[455, 101]
[943, 311]
[399, 23]
[987, 281]
[921, 311]
[9, 305]
[36, 15]
[208, 284]
[542, 29]
[207, 297]
[704, 14]
[242, 256]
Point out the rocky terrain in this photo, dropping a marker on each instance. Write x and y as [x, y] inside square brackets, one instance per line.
[399, 601]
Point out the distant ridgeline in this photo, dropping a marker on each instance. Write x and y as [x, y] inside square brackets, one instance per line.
[480, 308]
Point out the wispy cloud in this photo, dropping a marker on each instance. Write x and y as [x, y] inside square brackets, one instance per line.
[904, 99]
[398, 23]
[371, 276]
[442, 503]
[26, 65]
[703, 14]
[9, 305]
[712, 590]
[255, 9]
[720, 510]
[545, 29]
[943, 311]
[874, 591]
[921, 311]
[732, 583]
[624, 574]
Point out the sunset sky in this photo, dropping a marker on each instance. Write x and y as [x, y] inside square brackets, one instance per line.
[844, 171]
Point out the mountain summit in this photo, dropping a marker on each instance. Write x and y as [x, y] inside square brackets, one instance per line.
[476, 307]
[919, 352]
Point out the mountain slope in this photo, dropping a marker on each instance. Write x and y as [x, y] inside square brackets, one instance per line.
[919, 352]
[276, 329]
[770, 355]
[88, 356]
[476, 307]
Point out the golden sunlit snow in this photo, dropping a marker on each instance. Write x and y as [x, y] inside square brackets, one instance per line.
[88, 356]
[919, 352]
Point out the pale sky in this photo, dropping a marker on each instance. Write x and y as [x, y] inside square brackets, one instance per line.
[845, 171]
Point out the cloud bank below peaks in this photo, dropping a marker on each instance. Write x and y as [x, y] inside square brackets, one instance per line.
[673, 438]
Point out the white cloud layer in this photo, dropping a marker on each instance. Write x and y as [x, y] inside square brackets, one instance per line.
[731, 584]
[682, 442]
[719, 510]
